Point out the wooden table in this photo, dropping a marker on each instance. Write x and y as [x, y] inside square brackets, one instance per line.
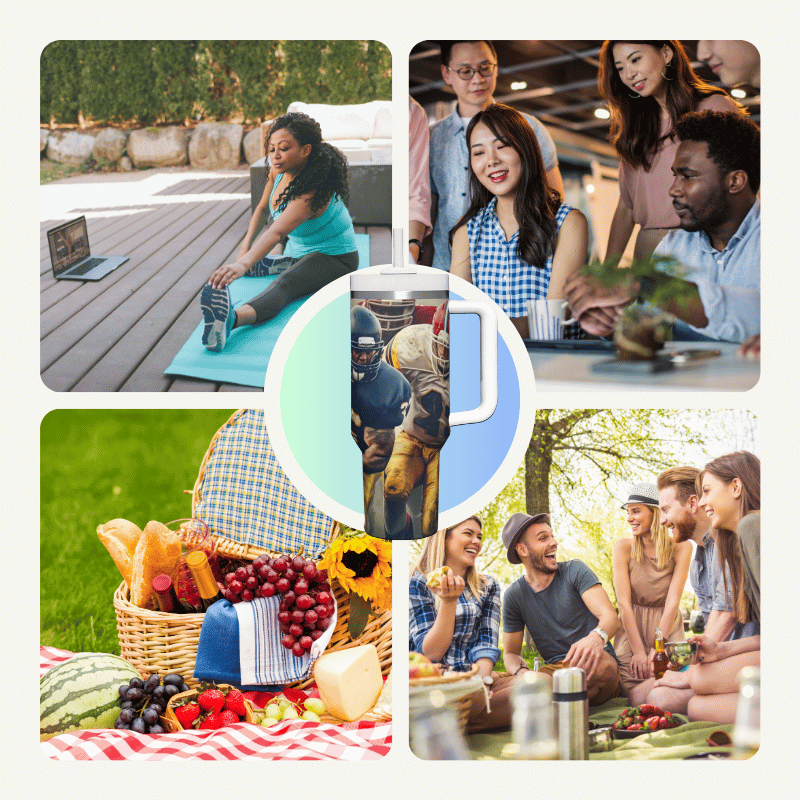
[558, 370]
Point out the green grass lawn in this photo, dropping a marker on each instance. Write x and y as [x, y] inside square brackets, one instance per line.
[99, 465]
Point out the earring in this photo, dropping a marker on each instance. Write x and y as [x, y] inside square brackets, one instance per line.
[662, 72]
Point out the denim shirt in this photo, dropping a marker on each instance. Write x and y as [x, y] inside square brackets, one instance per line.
[729, 281]
[449, 165]
[705, 575]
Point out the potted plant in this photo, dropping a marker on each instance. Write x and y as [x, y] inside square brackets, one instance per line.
[642, 328]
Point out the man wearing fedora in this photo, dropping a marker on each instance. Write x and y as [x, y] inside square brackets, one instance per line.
[563, 606]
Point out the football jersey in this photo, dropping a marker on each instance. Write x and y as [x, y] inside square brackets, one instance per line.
[381, 403]
[411, 351]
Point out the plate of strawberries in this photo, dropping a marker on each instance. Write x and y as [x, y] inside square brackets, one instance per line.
[209, 706]
[646, 718]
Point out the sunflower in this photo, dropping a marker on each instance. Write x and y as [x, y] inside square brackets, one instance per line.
[362, 565]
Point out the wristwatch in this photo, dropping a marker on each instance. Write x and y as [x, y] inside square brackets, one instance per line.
[602, 634]
[488, 680]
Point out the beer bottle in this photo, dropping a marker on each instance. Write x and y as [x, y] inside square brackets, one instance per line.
[660, 660]
[204, 579]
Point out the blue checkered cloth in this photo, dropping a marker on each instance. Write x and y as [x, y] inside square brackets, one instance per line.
[246, 497]
[477, 627]
[497, 268]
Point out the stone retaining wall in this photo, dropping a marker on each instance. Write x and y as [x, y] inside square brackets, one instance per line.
[209, 146]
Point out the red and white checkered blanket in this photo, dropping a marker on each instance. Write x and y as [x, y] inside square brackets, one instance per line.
[292, 740]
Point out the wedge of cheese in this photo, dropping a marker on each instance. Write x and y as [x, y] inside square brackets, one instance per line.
[349, 681]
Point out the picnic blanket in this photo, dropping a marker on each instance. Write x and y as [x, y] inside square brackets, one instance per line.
[677, 743]
[247, 352]
[291, 741]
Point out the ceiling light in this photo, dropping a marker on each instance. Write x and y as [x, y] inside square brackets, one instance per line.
[518, 86]
[602, 113]
[740, 93]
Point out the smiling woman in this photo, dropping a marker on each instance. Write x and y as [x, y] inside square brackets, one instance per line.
[517, 241]
[650, 572]
[454, 616]
[649, 86]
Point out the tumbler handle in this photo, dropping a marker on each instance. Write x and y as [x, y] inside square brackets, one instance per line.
[488, 324]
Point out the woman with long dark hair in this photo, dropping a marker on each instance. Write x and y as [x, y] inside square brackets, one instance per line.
[649, 86]
[730, 492]
[454, 616]
[307, 195]
[650, 572]
[517, 241]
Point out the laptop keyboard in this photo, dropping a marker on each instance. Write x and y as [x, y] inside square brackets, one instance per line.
[86, 266]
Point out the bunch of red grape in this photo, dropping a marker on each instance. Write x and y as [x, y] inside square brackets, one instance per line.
[143, 702]
[307, 604]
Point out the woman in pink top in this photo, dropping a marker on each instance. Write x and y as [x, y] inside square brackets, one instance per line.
[649, 86]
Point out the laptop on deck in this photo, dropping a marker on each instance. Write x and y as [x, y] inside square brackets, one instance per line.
[70, 256]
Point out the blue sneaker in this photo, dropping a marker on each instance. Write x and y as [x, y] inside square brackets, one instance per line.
[269, 265]
[218, 316]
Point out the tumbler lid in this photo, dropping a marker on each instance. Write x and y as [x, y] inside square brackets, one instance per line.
[569, 681]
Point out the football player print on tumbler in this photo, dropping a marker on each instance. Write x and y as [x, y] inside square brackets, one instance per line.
[400, 406]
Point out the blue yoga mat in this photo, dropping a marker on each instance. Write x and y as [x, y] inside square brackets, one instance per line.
[247, 351]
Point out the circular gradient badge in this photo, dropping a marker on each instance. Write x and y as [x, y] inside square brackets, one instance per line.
[307, 406]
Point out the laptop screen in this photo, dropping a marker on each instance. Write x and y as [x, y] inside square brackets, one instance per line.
[69, 243]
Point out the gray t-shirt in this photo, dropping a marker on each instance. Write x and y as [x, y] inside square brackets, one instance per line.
[556, 617]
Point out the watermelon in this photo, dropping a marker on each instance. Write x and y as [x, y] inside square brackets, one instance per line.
[82, 693]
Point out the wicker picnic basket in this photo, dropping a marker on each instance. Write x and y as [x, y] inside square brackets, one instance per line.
[157, 642]
[461, 705]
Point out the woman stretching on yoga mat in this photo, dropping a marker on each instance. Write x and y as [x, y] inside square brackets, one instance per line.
[307, 195]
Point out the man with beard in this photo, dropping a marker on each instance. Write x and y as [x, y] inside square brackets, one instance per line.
[563, 606]
[717, 174]
[681, 513]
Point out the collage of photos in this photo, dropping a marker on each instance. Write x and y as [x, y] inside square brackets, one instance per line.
[580, 573]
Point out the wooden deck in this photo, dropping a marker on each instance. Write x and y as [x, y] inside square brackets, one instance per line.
[176, 227]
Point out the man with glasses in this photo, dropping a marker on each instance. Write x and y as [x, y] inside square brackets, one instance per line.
[471, 69]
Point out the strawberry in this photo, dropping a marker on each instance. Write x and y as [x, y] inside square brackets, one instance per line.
[665, 723]
[212, 721]
[187, 714]
[649, 710]
[211, 700]
[653, 722]
[227, 717]
[235, 702]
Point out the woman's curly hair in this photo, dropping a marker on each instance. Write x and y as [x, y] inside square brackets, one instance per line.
[325, 171]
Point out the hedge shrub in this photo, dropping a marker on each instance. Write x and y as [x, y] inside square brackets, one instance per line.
[146, 82]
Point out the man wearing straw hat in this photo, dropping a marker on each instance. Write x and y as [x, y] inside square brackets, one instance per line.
[562, 605]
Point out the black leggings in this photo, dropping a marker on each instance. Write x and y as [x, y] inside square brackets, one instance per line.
[307, 275]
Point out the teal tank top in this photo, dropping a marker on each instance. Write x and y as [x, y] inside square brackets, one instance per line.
[331, 232]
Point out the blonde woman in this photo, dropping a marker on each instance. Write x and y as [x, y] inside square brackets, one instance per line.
[650, 572]
[454, 616]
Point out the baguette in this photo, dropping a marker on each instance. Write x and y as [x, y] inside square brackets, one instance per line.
[120, 538]
[158, 551]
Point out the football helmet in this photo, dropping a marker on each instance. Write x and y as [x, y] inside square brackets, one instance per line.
[440, 335]
[393, 315]
[365, 337]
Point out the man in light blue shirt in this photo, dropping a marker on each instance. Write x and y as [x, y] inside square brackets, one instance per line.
[470, 68]
[717, 174]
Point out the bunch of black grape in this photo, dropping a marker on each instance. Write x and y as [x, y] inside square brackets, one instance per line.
[143, 702]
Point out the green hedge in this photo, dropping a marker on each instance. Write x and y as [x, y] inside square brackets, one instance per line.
[148, 82]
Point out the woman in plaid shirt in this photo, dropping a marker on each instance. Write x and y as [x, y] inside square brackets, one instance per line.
[517, 241]
[456, 621]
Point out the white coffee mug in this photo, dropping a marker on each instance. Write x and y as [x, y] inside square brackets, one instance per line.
[547, 318]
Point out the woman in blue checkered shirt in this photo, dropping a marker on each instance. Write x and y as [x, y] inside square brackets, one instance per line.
[517, 241]
[454, 618]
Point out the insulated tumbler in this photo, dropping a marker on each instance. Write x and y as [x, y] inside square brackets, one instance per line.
[400, 391]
